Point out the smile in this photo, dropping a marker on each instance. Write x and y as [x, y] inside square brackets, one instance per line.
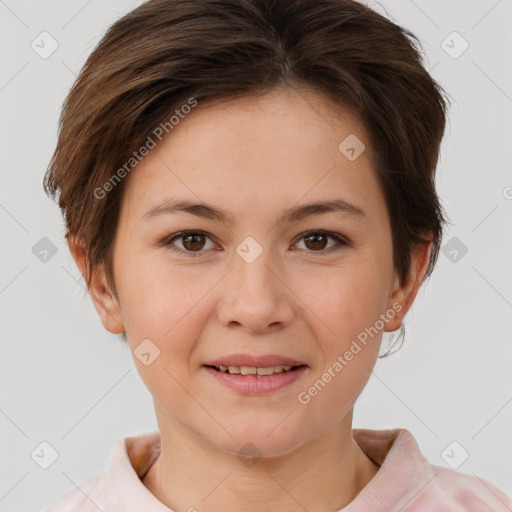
[251, 380]
[251, 370]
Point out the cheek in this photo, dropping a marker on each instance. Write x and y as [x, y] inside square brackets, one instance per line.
[347, 300]
[157, 295]
[351, 305]
[173, 320]
[165, 307]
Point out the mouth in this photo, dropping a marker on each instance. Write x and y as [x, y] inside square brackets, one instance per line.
[256, 375]
[260, 371]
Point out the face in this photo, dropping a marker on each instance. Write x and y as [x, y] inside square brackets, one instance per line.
[258, 280]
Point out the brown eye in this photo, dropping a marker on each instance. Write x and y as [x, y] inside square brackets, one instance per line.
[193, 242]
[316, 241]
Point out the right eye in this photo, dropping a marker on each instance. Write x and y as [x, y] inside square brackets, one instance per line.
[191, 241]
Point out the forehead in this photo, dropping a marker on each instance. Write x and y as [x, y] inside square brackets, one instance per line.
[280, 116]
[257, 151]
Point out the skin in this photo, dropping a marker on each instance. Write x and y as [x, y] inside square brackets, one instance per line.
[255, 157]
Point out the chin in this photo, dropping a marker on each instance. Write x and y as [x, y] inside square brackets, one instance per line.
[260, 441]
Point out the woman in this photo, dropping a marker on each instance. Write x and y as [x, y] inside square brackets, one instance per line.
[248, 188]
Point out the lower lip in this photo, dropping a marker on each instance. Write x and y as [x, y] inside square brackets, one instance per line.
[255, 384]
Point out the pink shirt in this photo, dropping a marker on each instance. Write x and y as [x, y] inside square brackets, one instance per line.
[405, 482]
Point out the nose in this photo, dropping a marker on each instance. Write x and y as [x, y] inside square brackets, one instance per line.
[255, 296]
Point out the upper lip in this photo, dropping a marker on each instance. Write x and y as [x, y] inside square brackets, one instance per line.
[254, 361]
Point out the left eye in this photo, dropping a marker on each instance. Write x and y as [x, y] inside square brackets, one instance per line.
[194, 241]
[318, 239]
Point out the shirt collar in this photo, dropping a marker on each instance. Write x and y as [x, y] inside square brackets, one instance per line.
[403, 472]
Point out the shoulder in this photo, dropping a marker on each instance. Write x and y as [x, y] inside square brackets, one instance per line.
[408, 482]
[91, 496]
[119, 487]
[449, 490]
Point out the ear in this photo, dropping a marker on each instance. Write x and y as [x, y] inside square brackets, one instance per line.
[105, 302]
[404, 294]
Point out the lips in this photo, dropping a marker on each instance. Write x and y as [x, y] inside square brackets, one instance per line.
[252, 375]
[250, 361]
[252, 370]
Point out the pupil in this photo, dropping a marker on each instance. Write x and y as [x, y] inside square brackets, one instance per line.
[193, 237]
[315, 238]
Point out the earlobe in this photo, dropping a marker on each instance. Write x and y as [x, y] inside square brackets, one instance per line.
[104, 301]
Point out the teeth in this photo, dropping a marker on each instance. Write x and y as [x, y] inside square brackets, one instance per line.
[265, 371]
[251, 370]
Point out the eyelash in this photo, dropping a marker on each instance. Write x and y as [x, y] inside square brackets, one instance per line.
[168, 242]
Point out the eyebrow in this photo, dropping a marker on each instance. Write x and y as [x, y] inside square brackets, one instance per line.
[294, 214]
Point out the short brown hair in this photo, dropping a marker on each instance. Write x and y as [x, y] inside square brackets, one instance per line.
[158, 56]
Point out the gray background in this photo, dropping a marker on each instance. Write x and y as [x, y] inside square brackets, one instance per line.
[67, 381]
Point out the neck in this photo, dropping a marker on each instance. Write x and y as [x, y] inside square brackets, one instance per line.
[322, 475]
